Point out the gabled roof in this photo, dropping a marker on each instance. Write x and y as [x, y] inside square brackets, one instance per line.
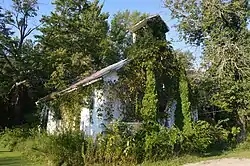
[156, 19]
[102, 72]
[86, 81]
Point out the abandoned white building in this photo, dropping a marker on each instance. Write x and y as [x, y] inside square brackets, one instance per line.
[91, 122]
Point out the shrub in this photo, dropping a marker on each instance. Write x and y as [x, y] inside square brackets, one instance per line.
[120, 145]
[166, 143]
[203, 137]
[64, 148]
[10, 138]
[152, 142]
[244, 145]
[161, 144]
[117, 146]
[199, 138]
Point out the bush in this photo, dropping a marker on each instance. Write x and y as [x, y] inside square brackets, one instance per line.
[10, 138]
[204, 137]
[244, 145]
[166, 143]
[62, 148]
[199, 138]
[152, 142]
[117, 146]
[120, 145]
[162, 144]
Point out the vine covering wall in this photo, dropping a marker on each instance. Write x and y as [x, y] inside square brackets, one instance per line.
[185, 103]
[151, 79]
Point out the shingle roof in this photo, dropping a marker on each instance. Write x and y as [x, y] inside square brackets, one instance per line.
[86, 81]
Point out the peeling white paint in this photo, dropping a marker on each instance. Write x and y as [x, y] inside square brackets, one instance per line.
[53, 124]
[103, 101]
[85, 123]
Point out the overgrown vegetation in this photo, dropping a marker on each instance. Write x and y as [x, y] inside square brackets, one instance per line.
[122, 144]
[70, 47]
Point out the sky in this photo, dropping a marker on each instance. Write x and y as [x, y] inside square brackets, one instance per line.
[113, 6]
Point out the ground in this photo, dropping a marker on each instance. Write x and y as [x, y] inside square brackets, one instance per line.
[223, 162]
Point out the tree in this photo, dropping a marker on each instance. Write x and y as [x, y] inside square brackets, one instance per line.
[74, 45]
[21, 63]
[15, 49]
[11, 45]
[6, 64]
[120, 33]
[186, 59]
[221, 28]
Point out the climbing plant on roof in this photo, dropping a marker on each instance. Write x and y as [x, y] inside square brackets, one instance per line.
[152, 66]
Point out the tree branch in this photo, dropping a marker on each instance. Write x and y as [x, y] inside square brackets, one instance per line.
[9, 63]
[31, 30]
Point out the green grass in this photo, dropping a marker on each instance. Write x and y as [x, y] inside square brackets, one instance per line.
[8, 158]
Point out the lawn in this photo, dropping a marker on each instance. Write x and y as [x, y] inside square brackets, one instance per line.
[8, 158]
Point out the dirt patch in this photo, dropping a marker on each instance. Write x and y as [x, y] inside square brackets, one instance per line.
[223, 162]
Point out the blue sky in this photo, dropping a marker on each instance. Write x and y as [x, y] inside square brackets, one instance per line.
[113, 6]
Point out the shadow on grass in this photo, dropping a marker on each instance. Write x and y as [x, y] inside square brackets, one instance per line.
[220, 151]
[213, 153]
[11, 161]
[4, 151]
[9, 158]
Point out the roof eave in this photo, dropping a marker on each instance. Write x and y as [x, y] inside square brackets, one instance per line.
[142, 23]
